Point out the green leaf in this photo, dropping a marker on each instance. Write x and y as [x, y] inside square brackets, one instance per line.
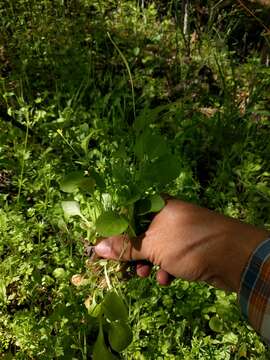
[157, 203]
[136, 51]
[110, 223]
[162, 171]
[59, 273]
[3, 291]
[242, 351]
[87, 184]
[153, 203]
[216, 324]
[98, 179]
[71, 182]
[230, 338]
[149, 116]
[95, 310]
[120, 335]
[150, 146]
[71, 208]
[76, 180]
[114, 307]
[120, 172]
[100, 350]
[85, 142]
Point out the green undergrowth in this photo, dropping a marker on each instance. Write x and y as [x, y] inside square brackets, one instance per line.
[99, 103]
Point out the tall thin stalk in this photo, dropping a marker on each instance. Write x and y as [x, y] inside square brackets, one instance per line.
[129, 73]
[23, 157]
[185, 24]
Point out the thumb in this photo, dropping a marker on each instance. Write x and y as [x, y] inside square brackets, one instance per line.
[120, 248]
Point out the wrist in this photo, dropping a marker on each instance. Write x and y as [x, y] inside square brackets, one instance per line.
[238, 243]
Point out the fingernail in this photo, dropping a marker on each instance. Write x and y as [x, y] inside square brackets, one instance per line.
[103, 249]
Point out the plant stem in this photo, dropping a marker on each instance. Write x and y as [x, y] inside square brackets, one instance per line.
[23, 159]
[107, 278]
[129, 73]
[59, 131]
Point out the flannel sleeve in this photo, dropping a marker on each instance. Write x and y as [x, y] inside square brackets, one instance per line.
[254, 293]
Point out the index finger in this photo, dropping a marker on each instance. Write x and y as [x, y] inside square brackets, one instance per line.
[121, 248]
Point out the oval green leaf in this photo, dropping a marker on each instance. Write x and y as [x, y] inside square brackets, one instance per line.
[216, 324]
[71, 208]
[76, 180]
[157, 203]
[150, 145]
[162, 171]
[71, 182]
[59, 273]
[114, 307]
[100, 350]
[120, 335]
[153, 203]
[87, 184]
[110, 223]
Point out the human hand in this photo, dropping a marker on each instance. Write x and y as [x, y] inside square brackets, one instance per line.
[191, 243]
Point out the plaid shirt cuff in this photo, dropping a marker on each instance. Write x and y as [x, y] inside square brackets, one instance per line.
[254, 294]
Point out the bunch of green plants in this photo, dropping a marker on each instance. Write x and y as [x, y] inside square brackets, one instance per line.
[132, 194]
